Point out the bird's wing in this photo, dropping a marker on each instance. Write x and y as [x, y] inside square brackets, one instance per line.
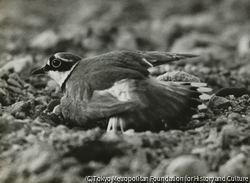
[133, 59]
[146, 59]
[79, 107]
[155, 58]
[142, 103]
[101, 72]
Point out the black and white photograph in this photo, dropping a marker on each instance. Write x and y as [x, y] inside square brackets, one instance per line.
[124, 91]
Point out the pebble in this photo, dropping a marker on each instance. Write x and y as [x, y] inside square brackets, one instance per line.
[239, 109]
[112, 137]
[238, 165]
[46, 40]
[244, 45]
[187, 165]
[148, 133]
[213, 136]
[42, 100]
[19, 64]
[199, 151]
[176, 132]
[70, 162]
[20, 115]
[36, 129]
[2, 92]
[228, 133]
[61, 128]
[234, 116]
[202, 107]
[160, 170]
[1, 111]
[39, 122]
[16, 77]
[218, 102]
[16, 90]
[13, 83]
[3, 72]
[126, 40]
[31, 138]
[9, 125]
[130, 132]
[134, 140]
[193, 132]
[92, 43]
[245, 96]
[8, 117]
[139, 162]
[17, 107]
[3, 84]
[4, 97]
[37, 158]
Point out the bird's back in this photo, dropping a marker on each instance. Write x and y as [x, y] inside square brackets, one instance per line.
[101, 72]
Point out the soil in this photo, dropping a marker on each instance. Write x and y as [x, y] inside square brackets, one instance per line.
[35, 147]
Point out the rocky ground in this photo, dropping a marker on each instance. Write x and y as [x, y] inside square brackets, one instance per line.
[216, 142]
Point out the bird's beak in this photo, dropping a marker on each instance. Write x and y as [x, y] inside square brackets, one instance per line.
[42, 70]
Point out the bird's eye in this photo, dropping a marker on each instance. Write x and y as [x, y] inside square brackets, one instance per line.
[56, 63]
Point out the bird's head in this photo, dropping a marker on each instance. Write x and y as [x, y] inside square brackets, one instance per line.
[59, 66]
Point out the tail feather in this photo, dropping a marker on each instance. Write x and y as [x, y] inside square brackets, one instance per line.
[199, 89]
[185, 91]
[170, 103]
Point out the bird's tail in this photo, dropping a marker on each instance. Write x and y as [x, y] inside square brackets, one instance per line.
[167, 103]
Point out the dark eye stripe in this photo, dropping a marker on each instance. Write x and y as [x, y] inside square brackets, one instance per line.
[64, 66]
[62, 61]
[51, 58]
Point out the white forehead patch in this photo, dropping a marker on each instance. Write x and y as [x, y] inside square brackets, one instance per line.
[56, 56]
[61, 58]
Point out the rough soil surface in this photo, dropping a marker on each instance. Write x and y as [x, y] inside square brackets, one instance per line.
[36, 148]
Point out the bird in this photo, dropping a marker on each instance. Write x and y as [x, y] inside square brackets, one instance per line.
[118, 87]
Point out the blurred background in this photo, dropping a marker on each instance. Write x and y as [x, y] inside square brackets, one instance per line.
[217, 30]
[214, 27]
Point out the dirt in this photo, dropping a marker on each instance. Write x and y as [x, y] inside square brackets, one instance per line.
[36, 148]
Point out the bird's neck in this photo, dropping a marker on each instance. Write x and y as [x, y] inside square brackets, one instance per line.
[61, 77]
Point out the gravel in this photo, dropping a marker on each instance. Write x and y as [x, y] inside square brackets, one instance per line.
[37, 147]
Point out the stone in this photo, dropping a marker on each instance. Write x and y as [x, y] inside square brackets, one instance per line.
[187, 165]
[18, 64]
[219, 102]
[238, 165]
[46, 40]
[21, 106]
